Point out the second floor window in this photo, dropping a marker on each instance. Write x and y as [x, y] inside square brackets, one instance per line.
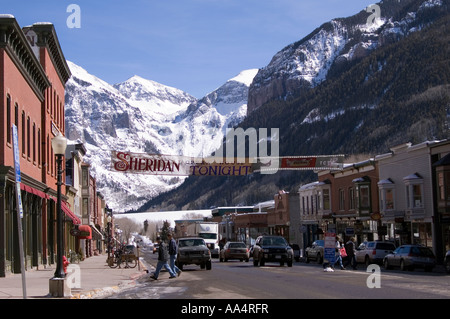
[414, 191]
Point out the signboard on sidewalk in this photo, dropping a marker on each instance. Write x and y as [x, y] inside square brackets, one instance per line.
[330, 247]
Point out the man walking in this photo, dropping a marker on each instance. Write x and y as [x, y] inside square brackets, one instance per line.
[350, 248]
[163, 259]
[173, 250]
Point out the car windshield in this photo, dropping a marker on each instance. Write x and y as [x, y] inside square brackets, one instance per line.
[274, 241]
[237, 245]
[191, 242]
[319, 243]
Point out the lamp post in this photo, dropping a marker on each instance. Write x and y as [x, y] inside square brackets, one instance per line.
[108, 245]
[59, 144]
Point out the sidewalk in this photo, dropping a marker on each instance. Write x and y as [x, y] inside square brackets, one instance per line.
[96, 279]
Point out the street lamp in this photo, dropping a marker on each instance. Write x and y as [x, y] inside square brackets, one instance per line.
[59, 144]
[108, 245]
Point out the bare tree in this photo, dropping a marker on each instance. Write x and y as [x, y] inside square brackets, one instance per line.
[127, 226]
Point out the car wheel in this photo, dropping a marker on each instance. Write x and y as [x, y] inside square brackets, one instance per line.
[208, 265]
[289, 263]
[262, 262]
[319, 259]
[367, 261]
[447, 265]
[307, 259]
[386, 264]
[402, 265]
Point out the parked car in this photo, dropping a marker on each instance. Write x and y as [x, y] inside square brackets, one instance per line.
[272, 249]
[373, 252]
[296, 249]
[447, 262]
[234, 250]
[315, 251]
[410, 257]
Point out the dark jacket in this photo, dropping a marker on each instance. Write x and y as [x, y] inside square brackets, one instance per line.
[350, 248]
[172, 247]
[163, 252]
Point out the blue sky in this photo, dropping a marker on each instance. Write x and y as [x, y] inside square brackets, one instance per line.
[193, 45]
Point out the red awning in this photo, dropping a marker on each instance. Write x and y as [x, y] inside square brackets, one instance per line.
[85, 232]
[33, 191]
[68, 212]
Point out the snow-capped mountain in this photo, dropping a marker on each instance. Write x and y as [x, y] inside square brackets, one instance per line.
[306, 63]
[144, 116]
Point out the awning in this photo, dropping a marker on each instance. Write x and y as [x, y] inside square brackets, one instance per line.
[33, 191]
[96, 233]
[85, 232]
[70, 214]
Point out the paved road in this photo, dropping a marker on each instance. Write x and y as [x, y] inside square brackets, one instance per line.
[236, 280]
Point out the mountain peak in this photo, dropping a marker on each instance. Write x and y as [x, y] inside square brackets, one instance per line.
[246, 77]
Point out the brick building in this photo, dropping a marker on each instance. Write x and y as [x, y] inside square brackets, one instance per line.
[33, 74]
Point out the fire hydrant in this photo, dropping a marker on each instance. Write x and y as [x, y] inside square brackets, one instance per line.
[65, 264]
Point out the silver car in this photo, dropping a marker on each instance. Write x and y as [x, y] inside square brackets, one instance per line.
[410, 257]
[315, 251]
[373, 252]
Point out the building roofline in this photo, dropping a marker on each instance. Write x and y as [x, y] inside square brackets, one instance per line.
[14, 42]
[47, 37]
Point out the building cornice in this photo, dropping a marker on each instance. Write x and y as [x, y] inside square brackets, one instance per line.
[14, 42]
[46, 37]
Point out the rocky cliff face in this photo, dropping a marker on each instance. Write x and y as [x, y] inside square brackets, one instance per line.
[306, 63]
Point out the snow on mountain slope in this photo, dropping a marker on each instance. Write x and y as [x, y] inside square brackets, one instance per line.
[306, 63]
[144, 116]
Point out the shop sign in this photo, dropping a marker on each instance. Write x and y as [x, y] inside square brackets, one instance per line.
[75, 232]
[349, 231]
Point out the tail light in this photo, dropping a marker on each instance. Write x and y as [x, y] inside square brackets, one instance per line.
[374, 252]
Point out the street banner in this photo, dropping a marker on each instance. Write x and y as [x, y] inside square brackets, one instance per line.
[17, 168]
[153, 164]
[295, 163]
[17, 174]
[176, 165]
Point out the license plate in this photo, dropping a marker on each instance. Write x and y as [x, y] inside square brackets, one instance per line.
[278, 256]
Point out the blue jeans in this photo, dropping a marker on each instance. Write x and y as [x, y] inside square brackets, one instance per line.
[165, 265]
[174, 267]
[338, 259]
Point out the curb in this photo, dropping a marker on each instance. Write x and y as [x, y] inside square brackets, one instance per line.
[107, 291]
